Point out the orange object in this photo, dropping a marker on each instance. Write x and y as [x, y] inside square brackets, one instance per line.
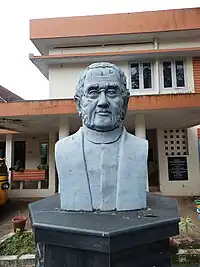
[19, 222]
[4, 184]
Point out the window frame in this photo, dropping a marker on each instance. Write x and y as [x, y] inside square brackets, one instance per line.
[174, 80]
[141, 89]
[46, 143]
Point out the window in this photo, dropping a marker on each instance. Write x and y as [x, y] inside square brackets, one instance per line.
[173, 74]
[141, 76]
[175, 142]
[43, 153]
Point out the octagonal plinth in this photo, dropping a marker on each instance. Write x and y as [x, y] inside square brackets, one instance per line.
[114, 239]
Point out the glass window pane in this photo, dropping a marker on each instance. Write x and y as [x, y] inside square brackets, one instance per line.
[180, 79]
[135, 82]
[167, 74]
[147, 75]
[43, 153]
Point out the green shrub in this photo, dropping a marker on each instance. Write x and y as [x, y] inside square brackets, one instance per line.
[186, 226]
[19, 244]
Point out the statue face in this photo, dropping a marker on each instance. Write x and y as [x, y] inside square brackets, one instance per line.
[102, 102]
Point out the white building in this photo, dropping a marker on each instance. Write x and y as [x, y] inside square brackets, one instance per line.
[160, 55]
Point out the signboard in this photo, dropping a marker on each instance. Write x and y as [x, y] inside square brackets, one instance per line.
[177, 168]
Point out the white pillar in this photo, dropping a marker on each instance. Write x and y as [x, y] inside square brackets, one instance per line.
[52, 173]
[157, 77]
[9, 153]
[63, 127]
[140, 131]
[63, 131]
[140, 128]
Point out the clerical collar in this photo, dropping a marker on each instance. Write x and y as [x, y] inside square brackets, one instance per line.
[102, 137]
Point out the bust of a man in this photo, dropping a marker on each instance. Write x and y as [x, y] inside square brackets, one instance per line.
[102, 167]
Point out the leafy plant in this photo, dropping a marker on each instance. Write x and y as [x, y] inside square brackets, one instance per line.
[186, 226]
[19, 244]
[43, 167]
[18, 167]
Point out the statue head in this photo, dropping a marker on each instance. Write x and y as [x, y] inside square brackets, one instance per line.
[102, 96]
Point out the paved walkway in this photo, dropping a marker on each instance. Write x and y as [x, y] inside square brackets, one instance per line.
[188, 208]
[13, 208]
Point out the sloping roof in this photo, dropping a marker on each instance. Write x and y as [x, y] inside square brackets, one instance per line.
[8, 96]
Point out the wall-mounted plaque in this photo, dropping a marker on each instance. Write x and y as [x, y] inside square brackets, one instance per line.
[177, 168]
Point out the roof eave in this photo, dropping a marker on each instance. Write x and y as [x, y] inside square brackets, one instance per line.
[43, 62]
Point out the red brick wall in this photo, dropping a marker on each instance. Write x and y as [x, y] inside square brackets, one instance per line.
[198, 131]
[196, 70]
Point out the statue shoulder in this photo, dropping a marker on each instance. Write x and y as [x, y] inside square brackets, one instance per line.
[137, 142]
[68, 142]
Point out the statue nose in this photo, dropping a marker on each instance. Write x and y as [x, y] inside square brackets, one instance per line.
[102, 100]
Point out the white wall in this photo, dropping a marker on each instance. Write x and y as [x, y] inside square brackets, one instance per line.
[32, 153]
[101, 49]
[192, 185]
[190, 75]
[180, 43]
[32, 161]
[63, 80]
[162, 44]
[32, 149]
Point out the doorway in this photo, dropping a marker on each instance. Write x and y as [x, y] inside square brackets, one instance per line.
[153, 168]
[2, 149]
[20, 152]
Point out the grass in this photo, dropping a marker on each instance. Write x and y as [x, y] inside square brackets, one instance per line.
[19, 244]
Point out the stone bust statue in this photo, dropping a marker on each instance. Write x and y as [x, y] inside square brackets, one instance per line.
[101, 166]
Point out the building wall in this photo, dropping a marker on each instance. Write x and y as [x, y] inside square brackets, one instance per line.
[190, 75]
[63, 80]
[100, 48]
[196, 68]
[192, 185]
[32, 153]
[62, 84]
[34, 189]
[179, 43]
[137, 46]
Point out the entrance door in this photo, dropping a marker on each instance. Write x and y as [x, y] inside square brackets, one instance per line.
[153, 169]
[2, 149]
[20, 152]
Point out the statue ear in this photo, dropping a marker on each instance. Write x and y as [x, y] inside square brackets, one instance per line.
[125, 107]
[78, 103]
[76, 98]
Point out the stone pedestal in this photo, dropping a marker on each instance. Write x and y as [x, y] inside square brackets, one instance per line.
[106, 239]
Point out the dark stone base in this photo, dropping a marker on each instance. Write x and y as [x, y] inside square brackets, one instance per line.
[112, 239]
[153, 254]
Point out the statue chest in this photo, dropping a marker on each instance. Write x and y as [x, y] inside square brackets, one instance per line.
[102, 166]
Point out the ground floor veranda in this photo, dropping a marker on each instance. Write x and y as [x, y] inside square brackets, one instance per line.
[170, 143]
[167, 121]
